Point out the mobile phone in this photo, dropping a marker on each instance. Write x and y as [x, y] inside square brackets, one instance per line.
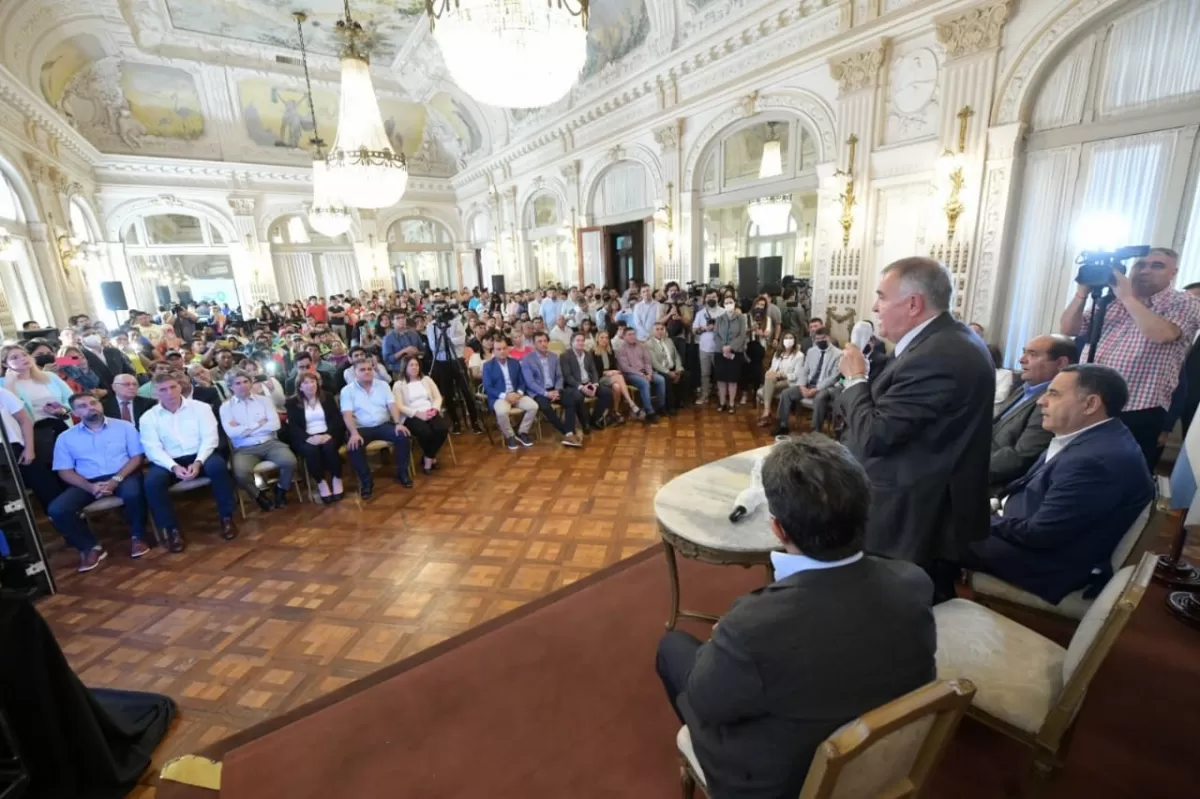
[67, 361]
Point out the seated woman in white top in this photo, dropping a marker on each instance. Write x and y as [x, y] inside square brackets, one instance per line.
[420, 405]
[478, 359]
[317, 433]
[785, 368]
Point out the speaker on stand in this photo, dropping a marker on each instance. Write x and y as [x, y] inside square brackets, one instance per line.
[497, 284]
[114, 298]
[747, 279]
[770, 271]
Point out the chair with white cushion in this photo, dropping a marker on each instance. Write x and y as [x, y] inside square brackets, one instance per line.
[889, 752]
[992, 591]
[1029, 687]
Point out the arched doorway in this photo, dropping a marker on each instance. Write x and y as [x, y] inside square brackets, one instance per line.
[549, 241]
[310, 264]
[421, 252]
[619, 247]
[176, 257]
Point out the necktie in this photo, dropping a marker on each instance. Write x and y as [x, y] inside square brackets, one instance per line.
[816, 377]
[125, 414]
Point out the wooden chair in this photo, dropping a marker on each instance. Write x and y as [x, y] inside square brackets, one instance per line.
[372, 447]
[1029, 687]
[994, 592]
[888, 752]
[105, 504]
[261, 471]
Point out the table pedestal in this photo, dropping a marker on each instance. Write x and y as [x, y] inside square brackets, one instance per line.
[717, 557]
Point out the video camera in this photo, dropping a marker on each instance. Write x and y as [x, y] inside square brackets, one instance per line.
[1096, 268]
[443, 314]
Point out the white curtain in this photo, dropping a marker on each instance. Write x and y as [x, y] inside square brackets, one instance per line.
[1152, 57]
[1037, 253]
[296, 276]
[593, 257]
[339, 273]
[1189, 258]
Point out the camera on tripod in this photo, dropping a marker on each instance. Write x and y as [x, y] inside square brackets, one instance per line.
[1096, 268]
[443, 314]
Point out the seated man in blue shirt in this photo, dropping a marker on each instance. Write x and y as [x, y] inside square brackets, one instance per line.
[792, 662]
[403, 342]
[98, 458]
[1064, 518]
[371, 414]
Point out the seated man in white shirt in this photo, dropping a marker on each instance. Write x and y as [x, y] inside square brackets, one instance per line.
[252, 424]
[180, 438]
[560, 332]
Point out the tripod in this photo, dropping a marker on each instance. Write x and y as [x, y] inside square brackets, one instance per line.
[449, 373]
[1102, 297]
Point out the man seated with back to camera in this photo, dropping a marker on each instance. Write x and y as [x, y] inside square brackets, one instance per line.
[544, 382]
[1018, 436]
[1148, 330]
[252, 423]
[370, 413]
[792, 662]
[1065, 516]
[180, 438]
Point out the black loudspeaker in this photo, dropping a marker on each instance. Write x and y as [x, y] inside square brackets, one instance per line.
[163, 293]
[497, 284]
[770, 271]
[185, 297]
[714, 271]
[424, 285]
[747, 278]
[114, 295]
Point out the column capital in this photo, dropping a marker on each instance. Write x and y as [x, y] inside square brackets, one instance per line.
[972, 31]
[861, 69]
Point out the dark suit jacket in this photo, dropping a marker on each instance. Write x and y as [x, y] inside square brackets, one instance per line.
[493, 379]
[795, 660]
[1018, 439]
[923, 429]
[572, 377]
[1064, 519]
[296, 424]
[140, 406]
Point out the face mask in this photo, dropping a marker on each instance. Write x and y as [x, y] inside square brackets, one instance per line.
[712, 303]
[729, 306]
[788, 343]
[821, 345]
[44, 360]
[91, 342]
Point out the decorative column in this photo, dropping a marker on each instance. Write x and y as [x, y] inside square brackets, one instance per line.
[58, 296]
[983, 179]
[668, 138]
[841, 233]
[253, 270]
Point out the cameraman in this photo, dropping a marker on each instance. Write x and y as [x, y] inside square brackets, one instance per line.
[1148, 329]
[446, 327]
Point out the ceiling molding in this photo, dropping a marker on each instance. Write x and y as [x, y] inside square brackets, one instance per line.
[17, 95]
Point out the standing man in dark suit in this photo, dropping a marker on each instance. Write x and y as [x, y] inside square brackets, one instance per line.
[923, 428]
[579, 374]
[124, 402]
[792, 662]
[1065, 517]
[1018, 438]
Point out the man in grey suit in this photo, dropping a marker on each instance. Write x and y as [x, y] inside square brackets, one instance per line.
[1018, 438]
[544, 382]
[792, 662]
[579, 374]
[820, 371]
[923, 427]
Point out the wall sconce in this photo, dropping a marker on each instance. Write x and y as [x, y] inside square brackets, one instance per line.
[664, 224]
[70, 249]
[950, 172]
[848, 198]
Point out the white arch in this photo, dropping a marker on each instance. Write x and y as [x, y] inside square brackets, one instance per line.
[639, 153]
[446, 215]
[89, 214]
[808, 109]
[276, 212]
[123, 214]
[469, 216]
[20, 184]
[549, 186]
[1037, 56]
[420, 218]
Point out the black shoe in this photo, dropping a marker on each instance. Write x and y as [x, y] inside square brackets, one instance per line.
[525, 440]
[405, 481]
[228, 529]
[366, 489]
[587, 429]
[511, 443]
[338, 497]
[652, 418]
[599, 424]
[457, 429]
[280, 497]
[326, 500]
[263, 500]
[174, 541]
[477, 428]
[720, 409]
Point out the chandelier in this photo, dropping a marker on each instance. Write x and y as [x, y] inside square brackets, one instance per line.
[327, 215]
[512, 53]
[362, 168]
[771, 213]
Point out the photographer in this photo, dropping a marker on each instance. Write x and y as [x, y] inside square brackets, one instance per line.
[1147, 331]
[449, 371]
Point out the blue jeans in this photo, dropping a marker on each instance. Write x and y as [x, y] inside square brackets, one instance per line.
[380, 432]
[158, 480]
[64, 511]
[643, 387]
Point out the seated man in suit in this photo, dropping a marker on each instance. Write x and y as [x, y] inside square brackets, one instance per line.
[504, 385]
[579, 374]
[1064, 518]
[124, 403]
[1018, 438]
[666, 362]
[820, 372]
[792, 662]
[544, 382]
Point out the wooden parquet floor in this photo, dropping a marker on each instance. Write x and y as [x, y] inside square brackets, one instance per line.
[310, 598]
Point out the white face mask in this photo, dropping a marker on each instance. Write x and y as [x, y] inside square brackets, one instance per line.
[729, 306]
[91, 342]
[788, 343]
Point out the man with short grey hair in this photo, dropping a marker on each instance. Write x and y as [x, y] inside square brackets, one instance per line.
[251, 422]
[922, 428]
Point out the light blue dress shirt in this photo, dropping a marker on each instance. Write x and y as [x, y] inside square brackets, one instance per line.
[786, 564]
[550, 311]
[369, 408]
[97, 453]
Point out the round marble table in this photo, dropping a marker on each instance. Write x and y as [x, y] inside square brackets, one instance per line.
[693, 518]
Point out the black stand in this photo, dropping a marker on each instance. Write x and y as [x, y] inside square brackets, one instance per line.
[442, 345]
[1102, 297]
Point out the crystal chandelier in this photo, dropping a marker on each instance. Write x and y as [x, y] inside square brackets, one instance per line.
[362, 168]
[512, 53]
[772, 213]
[327, 215]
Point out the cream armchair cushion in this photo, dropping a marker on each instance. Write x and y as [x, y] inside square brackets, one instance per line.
[1018, 674]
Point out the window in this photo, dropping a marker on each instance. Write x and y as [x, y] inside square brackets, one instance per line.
[734, 161]
[743, 150]
[182, 254]
[10, 205]
[422, 251]
[174, 229]
[295, 230]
